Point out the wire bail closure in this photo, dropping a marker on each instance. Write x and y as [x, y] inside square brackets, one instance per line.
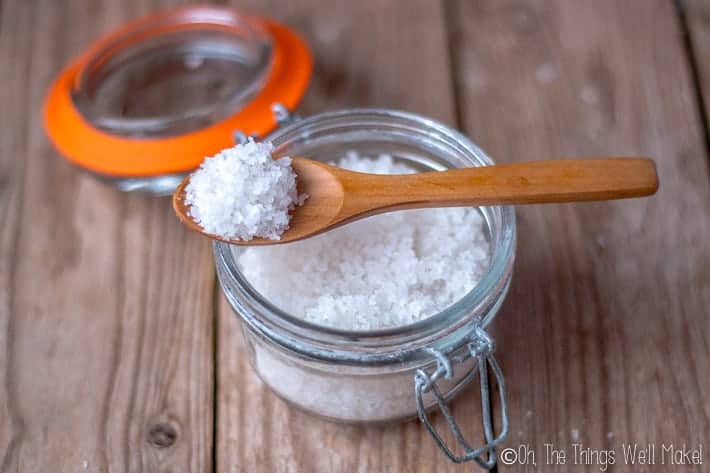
[282, 116]
[481, 347]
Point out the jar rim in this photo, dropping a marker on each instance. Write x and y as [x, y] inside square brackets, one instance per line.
[399, 343]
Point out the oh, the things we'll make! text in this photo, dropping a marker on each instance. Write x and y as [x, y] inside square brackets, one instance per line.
[630, 454]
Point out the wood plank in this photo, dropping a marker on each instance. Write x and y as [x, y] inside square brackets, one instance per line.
[604, 337]
[106, 351]
[366, 54]
[696, 17]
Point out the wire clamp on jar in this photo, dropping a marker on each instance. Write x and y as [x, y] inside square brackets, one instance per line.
[282, 116]
[480, 347]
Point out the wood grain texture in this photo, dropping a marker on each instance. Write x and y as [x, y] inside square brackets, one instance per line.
[106, 354]
[604, 338]
[106, 307]
[696, 17]
[367, 53]
[530, 182]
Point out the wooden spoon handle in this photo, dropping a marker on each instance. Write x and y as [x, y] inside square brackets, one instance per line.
[536, 182]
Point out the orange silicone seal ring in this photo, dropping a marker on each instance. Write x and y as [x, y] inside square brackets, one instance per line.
[114, 155]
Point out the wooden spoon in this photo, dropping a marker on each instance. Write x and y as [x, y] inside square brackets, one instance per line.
[337, 196]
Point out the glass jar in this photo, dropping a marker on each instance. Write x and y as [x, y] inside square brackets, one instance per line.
[147, 102]
[385, 375]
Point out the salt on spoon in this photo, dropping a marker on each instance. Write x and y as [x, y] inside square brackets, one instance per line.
[337, 196]
[242, 193]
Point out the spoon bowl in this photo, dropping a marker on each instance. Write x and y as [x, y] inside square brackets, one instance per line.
[319, 181]
[337, 196]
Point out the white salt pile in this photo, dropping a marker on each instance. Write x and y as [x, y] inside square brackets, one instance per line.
[242, 193]
[384, 271]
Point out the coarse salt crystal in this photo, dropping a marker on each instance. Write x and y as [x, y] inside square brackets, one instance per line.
[242, 193]
[380, 272]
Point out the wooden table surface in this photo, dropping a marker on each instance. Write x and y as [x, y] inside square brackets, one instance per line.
[118, 353]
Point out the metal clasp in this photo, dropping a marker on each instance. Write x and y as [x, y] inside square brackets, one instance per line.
[480, 347]
[281, 115]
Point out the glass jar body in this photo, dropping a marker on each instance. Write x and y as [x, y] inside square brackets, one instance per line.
[368, 376]
[342, 393]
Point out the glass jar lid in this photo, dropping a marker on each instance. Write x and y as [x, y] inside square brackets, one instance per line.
[160, 93]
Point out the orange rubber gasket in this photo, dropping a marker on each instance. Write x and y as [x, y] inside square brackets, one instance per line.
[104, 153]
